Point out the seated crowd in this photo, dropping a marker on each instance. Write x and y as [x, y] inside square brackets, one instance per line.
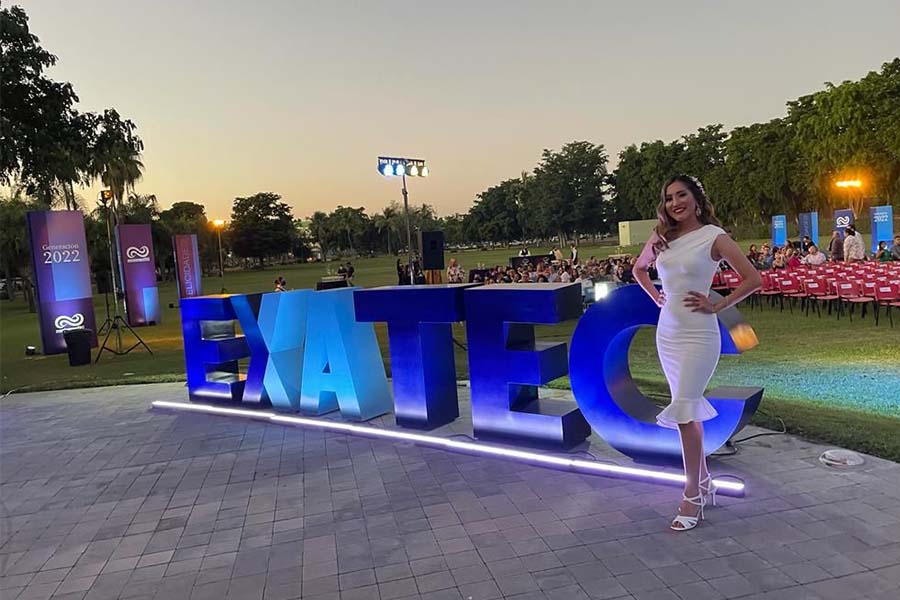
[850, 249]
[554, 268]
[550, 269]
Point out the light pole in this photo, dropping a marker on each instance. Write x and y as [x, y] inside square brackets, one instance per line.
[219, 224]
[415, 167]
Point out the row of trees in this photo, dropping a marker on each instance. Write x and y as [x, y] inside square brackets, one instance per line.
[262, 226]
[787, 165]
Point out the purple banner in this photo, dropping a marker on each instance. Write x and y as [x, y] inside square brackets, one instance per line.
[62, 276]
[187, 266]
[138, 274]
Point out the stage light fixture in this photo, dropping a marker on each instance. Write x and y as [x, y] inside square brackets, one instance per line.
[601, 290]
[30, 350]
[401, 167]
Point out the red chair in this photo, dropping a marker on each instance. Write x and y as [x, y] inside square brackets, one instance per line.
[768, 289]
[887, 295]
[718, 284]
[817, 290]
[850, 293]
[789, 288]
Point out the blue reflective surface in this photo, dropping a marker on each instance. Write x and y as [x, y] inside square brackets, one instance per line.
[609, 398]
[212, 349]
[342, 367]
[275, 327]
[506, 364]
[423, 368]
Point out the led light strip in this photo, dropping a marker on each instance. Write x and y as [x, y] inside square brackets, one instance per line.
[731, 488]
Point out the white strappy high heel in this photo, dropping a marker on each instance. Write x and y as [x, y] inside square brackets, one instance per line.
[708, 489]
[684, 522]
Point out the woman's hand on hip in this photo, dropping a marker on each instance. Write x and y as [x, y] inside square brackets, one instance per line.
[660, 299]
[697, 302]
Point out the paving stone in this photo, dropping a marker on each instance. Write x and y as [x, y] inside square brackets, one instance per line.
[104, 498]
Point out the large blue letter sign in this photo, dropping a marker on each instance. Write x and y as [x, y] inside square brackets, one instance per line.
[275, 328]
[211, 348]
[342, 365]
[423, 369]
[506, 364]
[611, 401]
[316, 352]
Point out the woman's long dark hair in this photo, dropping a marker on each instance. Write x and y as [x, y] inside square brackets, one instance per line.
[666, 224]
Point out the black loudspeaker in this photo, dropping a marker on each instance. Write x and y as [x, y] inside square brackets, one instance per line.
[431, 245]
[104, 282]
[78, 346]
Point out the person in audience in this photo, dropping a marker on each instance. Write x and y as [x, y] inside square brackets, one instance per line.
[751, 253]
[805, 243]
[883, 254]
[279, 284]
[814, 258]
[793, 259]
[767, 256]
[836, 247]
[854, 248]
[778, 260]
[564, 276]
[573, 249]
[895, 249]
[402, 274]
[454, 272]
[557, 254]
[524, 251]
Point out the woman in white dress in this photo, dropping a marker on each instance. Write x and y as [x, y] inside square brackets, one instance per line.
[687, 245]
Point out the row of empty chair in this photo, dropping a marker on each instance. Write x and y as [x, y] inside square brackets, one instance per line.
[839, 286]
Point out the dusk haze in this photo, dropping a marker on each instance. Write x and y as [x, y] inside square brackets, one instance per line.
[300, 98]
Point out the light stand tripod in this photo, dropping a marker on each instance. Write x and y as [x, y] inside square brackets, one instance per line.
[116, 323]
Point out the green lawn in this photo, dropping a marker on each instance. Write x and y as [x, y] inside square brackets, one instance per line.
[829, 380]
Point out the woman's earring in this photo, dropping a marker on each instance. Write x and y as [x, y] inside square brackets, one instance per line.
[698, 211]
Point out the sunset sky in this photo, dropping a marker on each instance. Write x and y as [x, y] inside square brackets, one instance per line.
[300, 98]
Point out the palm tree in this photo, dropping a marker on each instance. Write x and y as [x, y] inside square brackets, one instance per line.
[120, 169]
[318, 225]
[116, 156]
[383, 226]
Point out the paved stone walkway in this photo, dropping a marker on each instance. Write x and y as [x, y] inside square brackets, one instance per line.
[104, 498]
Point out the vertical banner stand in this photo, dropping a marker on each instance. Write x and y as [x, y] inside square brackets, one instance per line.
[116, 323]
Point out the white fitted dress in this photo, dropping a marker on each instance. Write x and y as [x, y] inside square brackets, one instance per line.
[688, 342]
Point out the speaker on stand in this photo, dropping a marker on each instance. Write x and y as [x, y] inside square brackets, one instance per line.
[431, 247]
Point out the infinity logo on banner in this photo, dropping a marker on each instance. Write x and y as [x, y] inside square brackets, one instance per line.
[842, 221]
[66, 323]
[137, 254]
